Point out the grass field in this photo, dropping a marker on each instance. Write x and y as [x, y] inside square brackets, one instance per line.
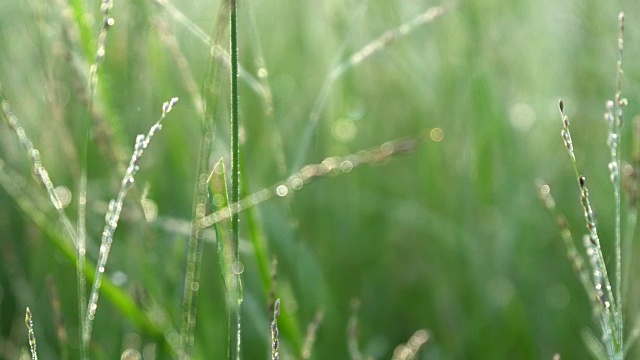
[448, 236]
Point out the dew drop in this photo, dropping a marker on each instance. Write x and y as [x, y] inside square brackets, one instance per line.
[150, 209]
[64, 195]
[237, 267]
[119, 278]
[346, 166]
[130, 354]
[436, 134]
[282, 190]
[297, 183]
[344, 130]
[216, 50]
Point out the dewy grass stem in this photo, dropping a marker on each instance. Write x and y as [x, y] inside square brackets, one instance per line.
[235, 175]
[113, 215]
[371, 48]
[607, 303]
[614, 117]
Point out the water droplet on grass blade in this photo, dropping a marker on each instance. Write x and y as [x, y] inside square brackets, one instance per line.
[237, 267]
[282, 190]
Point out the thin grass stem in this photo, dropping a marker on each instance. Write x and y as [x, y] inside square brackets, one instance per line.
[275, 336]
[331, 166]
[610, 335]
[614, 117]
[310, 337]
[194, 250]
[235, 171]
[81, 259]
[28, 319]
[38, 168]
[120, 299]
[101, 45]
[353, 60]
[574, 256]
[216, 50]
[113, 216]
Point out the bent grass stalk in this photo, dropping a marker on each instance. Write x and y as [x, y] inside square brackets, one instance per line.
[113, 215]
[331, 166]
[355, 59]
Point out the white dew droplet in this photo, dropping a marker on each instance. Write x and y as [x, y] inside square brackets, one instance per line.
[64, 195]
[282, 190]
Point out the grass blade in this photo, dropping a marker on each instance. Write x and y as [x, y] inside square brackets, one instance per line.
[235, 171]
[32, 335]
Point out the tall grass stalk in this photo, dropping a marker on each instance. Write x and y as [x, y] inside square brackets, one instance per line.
[216, 50]
[235, 174]
[614, 117]
[210, 103]
[194, 250]
[101, 41]
[607, 308]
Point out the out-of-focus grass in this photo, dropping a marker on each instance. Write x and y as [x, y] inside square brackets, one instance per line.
[450, 238]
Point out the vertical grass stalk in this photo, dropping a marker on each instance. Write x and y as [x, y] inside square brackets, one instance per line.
[275, 337]
[614, 117]
[235, 172]
[32, 335]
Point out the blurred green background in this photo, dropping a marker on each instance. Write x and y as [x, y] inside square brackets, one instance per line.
[450, 238]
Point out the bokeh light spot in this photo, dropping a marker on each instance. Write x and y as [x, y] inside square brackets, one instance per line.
[344, 130]
[436, 134]
[522, 117]
[64, 195]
